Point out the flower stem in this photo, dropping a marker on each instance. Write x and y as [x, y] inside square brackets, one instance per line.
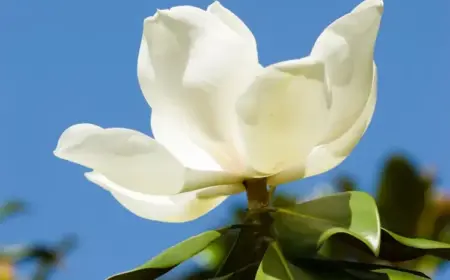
[257, 194]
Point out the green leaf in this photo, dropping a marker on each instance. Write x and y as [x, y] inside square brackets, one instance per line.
[304, 227]
[393, 274]
[398, 248]
[402, 196]
[249, 246]
[344, 270]
[386, 274]
[214, 256]
[346, 247]
[170, 258]
[274, 266]
[237, 274]
[441, 229]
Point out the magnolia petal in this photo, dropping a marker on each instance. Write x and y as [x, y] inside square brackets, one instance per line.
[222, 190]
[338, 150]
[179, 143]
[133, 159]
[193, 66]
[326, 157]
[283, 114]
[346, 46]
[173, 209]
[233, 22]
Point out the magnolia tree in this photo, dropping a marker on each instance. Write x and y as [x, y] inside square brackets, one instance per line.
[224, 124]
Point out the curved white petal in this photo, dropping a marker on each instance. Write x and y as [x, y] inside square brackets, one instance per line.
[338, 150]
[222, 190]
[233, 22]
[193, 66]
[283, 114]
[133, 159]
[346, 47]
[164, 128]
[173, 209]
[325, 157]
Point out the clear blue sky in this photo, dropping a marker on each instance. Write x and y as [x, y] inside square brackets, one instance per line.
[71, 61]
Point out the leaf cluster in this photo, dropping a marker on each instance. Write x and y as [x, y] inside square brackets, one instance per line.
[345, 235]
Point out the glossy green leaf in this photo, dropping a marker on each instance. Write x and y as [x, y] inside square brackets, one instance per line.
[304, 227]
[441, 230]
[343, 246]
[249, 246]
[344, 270]
[239, 274]
[385, 274]
[274, 266]
[215, 256]
[170, 258]
[398, 248]
[402, 196]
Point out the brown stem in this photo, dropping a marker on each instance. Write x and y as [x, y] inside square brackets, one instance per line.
[257, 194]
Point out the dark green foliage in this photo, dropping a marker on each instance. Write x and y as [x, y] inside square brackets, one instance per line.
[351, 213]
[291, 242]
[402, 196]
[347, 235]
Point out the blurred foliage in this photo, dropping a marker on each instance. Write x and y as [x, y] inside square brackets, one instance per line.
[11, 208]
[46, 258]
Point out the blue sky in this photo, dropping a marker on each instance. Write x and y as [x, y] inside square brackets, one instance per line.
[65, 62]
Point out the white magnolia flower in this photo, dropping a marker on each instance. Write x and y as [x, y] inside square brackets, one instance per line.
[219, 117]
